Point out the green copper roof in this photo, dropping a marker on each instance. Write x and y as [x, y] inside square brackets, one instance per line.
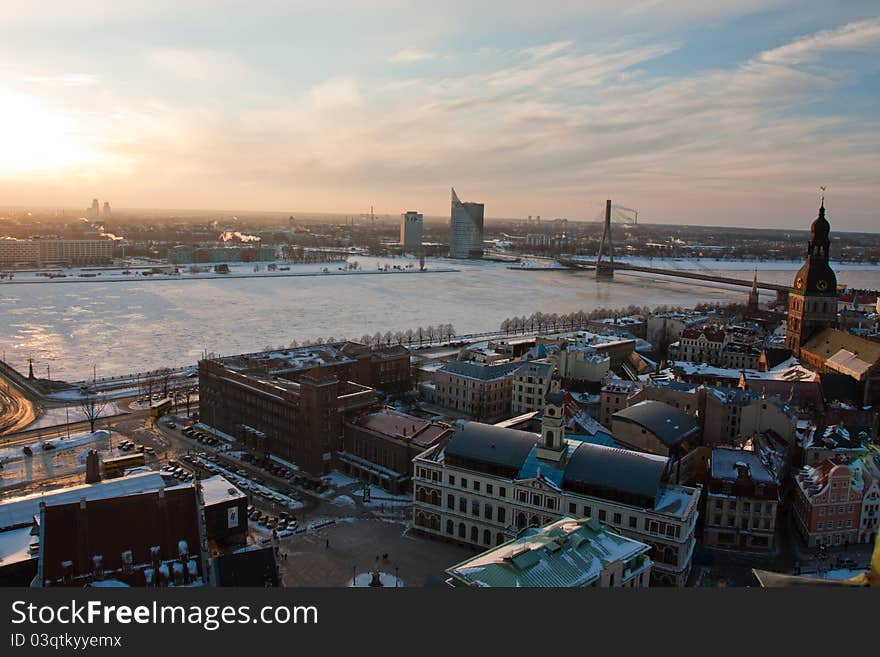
[565, 553]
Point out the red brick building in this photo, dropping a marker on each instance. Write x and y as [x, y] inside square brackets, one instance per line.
[828, 503]
[148, 539]
[299, 421]
[385, 368]
[379, 447]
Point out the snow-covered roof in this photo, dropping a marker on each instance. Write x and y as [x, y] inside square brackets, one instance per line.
[565, 553]
[19, 511]
[15, 546]
[218, 489]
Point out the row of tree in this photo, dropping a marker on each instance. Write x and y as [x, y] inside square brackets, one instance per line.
[423, 335]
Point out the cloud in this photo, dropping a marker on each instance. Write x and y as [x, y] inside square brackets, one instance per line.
[410, 56]
[66, 80]
[858, 36]
[336, 93]
[540, 128]
[198, 63]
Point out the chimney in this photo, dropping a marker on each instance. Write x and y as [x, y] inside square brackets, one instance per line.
[93, 467]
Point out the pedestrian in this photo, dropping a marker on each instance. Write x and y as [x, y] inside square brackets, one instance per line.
[327, 545]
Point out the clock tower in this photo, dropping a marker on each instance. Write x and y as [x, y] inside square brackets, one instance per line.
[812, 301]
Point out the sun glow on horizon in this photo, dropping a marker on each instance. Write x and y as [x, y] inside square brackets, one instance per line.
[38, 139]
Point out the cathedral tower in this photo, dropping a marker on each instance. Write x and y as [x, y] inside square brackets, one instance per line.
[812, 301]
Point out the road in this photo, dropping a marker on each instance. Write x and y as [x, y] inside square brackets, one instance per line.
[16, 411]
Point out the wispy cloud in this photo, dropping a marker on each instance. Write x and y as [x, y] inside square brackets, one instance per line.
[197, 63]
[857, 36]
[66, 80]
[410, 56]
[532, 125]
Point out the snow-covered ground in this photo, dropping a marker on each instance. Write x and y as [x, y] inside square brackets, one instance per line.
[205, 271]
[345, 500]
[51, 417]
[379, 497]
[10, 454]
[338, 479]
[387, 580]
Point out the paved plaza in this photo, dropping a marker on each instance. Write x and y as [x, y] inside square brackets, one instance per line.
[354, 546]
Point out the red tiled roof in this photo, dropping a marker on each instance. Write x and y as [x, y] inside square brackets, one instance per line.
[401, 426]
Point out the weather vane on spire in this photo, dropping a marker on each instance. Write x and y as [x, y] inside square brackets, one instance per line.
[822, 187]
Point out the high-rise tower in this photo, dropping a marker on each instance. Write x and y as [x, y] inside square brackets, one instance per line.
[812, 301]
[466, 229]
[411, 230]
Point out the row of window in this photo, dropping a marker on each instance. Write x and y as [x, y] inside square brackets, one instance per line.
[490, 489]
[498, 514]
[820, 526]
[747, 506]
[840, 510]
[757, 523]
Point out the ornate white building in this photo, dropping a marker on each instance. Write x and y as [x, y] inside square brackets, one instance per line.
[489, 483]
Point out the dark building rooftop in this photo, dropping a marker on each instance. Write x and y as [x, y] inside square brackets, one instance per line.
[669, 424]
[615, 470]
[497, 447]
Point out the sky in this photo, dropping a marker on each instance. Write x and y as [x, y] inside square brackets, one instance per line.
[722, 112]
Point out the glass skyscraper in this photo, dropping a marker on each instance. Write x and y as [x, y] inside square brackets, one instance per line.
[466, 224]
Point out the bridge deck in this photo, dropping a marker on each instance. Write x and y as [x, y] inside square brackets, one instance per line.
[694, 275]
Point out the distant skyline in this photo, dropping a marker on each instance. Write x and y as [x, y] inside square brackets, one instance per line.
[721, 113]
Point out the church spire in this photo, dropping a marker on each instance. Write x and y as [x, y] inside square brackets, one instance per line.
[753, 293]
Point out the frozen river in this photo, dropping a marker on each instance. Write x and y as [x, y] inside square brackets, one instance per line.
[124, 327]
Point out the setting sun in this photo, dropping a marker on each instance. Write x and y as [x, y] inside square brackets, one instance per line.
[38, 139]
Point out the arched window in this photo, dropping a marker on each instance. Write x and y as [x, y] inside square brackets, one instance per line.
[499, 538]
[450, 527]
[461, 530]
[487, 537]
[475, 534]
[520, 520]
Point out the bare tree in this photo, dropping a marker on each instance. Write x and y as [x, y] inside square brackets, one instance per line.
[188, 393]
[165, 380]
[92, 409]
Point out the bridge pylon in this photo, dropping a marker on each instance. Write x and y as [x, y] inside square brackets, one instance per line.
[605, 269]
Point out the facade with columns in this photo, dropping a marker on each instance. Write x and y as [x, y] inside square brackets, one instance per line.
[489, 483]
